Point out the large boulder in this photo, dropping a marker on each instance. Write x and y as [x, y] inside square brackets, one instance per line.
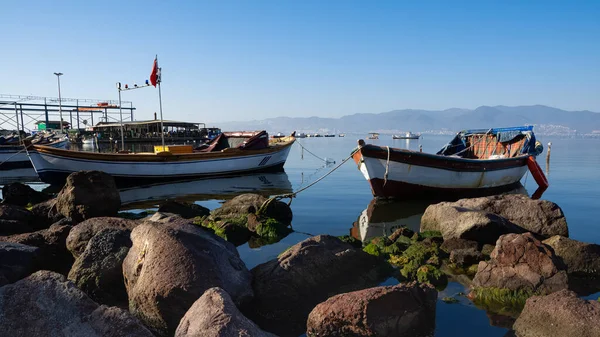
[286, 289]
[46, 304]
[245, 204]
[559, 314]
[80, 235]
[16, 261]
[541, 217]
[53, 254]
[465, 257]
[15, 219]
[456, 222]
[88, 194]
[581, 259]
[404, 310]
[45, 214]
[98, 271]
[521, 262]
[186, 211]
[21, 194]
[172, 263]
[215, 315]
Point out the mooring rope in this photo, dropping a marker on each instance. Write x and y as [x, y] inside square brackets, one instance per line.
[387, 167]
[305, 149]
[292, 195]
[11, 157]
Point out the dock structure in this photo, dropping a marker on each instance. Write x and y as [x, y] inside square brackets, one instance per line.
[24, 113]
[150, 131]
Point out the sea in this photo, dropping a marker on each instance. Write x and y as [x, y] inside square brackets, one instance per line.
[342, 204]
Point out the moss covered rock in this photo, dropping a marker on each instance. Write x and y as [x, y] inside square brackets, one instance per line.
[351, 240]
[432, 275]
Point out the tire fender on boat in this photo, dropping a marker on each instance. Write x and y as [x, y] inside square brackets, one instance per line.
[536, 172]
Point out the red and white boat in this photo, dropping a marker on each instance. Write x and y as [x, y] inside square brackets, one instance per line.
[474, 161]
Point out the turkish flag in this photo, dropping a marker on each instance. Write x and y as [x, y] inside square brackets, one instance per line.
[155, 75]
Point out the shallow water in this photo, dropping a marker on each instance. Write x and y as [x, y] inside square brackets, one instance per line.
[342, 204]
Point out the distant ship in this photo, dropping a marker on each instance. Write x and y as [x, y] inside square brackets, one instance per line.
[342, 135]
[408, 135]
[301, 135]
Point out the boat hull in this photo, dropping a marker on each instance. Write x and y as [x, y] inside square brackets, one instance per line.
[415, 174]
[53, 166]
[15, 157]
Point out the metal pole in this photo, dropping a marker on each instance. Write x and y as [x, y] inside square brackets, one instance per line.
[78, 115]
[46, 110]
[59, 101]
[22, 123]
[17, 119]
[131, 110]
[162, 133]
[121, 114]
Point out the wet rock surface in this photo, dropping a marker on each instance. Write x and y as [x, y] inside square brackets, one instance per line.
[581, 259]
[286, 289]
[465, 257]
[403, 310]
[559, 314]
[46, 213]
[88, 194]
[46, 304]
[15, 220]
[186, 211]
[16, 261]
[20, 194]
[215, 315]
[172, 263]
[456, 222]
[80, 235]
[521, 262]
[98, 270]
[53, 254]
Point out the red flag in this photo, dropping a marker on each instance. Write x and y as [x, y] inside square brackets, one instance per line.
[155, 75]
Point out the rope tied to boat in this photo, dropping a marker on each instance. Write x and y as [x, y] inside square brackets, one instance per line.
[305, 149]
[387, 167]
[292, 195]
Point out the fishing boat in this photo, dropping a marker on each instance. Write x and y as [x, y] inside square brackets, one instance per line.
[473, 161]
[301, 135]
[408, 135]
[329, 135]
[342, 135]
[13, 154]
[230, 153]
[373, 135]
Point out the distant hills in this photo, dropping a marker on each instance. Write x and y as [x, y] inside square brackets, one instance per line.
[547, 120]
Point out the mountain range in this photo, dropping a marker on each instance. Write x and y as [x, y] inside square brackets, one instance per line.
[547, 120]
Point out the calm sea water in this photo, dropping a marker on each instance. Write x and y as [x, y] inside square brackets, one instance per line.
[342, 204]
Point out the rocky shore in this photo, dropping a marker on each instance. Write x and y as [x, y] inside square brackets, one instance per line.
[73, 265]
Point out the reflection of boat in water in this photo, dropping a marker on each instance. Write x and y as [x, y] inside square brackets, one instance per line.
[384, 216]
[207, 189]
[474, 160]
[408, 135]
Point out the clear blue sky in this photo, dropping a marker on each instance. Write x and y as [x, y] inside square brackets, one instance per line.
[242, 60]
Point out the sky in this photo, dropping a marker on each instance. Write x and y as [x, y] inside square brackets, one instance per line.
[245, 60]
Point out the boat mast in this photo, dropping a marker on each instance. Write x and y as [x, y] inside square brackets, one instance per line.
[162, 128]
[121, 117]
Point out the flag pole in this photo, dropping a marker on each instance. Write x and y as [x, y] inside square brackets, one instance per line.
[162, 129]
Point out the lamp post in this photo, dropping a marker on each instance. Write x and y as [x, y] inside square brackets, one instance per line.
[59, 101]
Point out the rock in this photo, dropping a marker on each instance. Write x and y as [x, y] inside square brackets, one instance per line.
[402, 231]
[286, 289]
[46, 304]
[16, 261]
[215, 315]
[15, 219]
[538, 216]
[455, 243]
[53, 253]
[463, 223]
[98, 271]
[465, 257]
[88, 194]
[46, 213]
[404, 310]
[245, 204]
[521, 262]
[559, 314]
[231, 232]
[80, 235]
[487, 249]
[20, 194]
[172, 263]
[186, 211]
[581, 259]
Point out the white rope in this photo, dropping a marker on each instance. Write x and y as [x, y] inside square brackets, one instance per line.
[387, 167]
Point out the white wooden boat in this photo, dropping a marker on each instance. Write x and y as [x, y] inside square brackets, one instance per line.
[408, 135]
[229, 154]
[15, 157]
[473, 161]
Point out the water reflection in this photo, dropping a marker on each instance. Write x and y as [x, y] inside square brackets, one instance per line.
[205, 189]
[383, 216]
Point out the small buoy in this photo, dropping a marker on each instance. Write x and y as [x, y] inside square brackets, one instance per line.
[537, 173]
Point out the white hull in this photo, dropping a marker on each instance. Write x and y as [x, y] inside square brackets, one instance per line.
[374, 168]
[47, 164]
[16, 157]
